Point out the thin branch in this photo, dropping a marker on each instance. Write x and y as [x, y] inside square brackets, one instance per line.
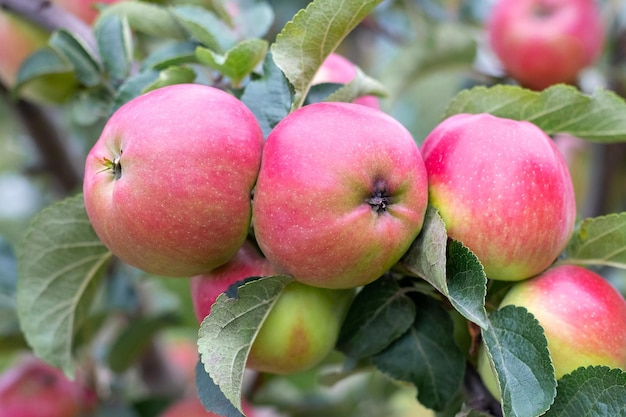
[51, 17]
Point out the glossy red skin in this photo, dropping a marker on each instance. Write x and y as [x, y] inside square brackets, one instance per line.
[503, 189]
[311, 214]
[545, 42]
[85, 10]
[192, 407]
[583, 316]
[190, 155]
[205, 288]
[338, 69]
[33, 388]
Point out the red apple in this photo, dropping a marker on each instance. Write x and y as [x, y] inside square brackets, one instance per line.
[302, 327]
[167, 185]
[247, 263]
[545, 42]
[341, 194]
[340, 70]
[192, 407]
[502, 189]
[32, 388]
[583, 317]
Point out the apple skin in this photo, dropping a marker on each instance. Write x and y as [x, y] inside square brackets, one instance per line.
[583, 317]
[302, 327]
[338, 69]
[32, 388]
[340, 196]
[503, 190]
[168, 184]
[545, 42]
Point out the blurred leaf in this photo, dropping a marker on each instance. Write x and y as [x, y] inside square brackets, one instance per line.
[599, 241]
[175, 53]
[427, 356]
[42, 62]
[592, 392]
[211, 396]
[115, 44]
[226, 335]
[361, 85]
[467, 283]
[519, 354]
[133, 87]
[558, 109]
[315, 32]
[91, 105]
[147, 18]
[8, 278]
[206, 27]
[269, 96]
[454, 271]
[134, 339]
[472, 413]
[380, 313]
[60, 263]
[86, 67]
[171, 76]
[238, 62]
[253, 18]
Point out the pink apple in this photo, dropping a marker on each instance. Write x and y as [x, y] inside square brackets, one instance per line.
[502, 189]
[205, 289]
[86, 10]
[168, 184]
[302, 327]
[545, 42]
[341, 194]
[583, 317]
[337, 69]
[32, 388]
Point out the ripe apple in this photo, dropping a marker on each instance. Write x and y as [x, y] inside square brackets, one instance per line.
[502, 189]
[300, 330]
[85, 10]
[192, 407]
[205, 289]
[583, 317]
[341, 194]
[168, 184]
[545, 42]
[338, 69]
[32, 388]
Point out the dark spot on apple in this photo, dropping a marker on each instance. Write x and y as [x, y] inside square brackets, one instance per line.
[117, 168]
[379, 200]
[542, 10]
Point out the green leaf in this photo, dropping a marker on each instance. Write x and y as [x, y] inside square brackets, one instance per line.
[599, 241]
[380, 313]
[427, 356]
[171, 76]
[361, 85]
[206, 27]
[467, 283]
[452, 269]
[85, 64]
[8, 277]
[269, 97]
[315, 32]
[60, 262]
[134, 339]
[42, 62]
[115, 44]
[558, 109]
[519, 355]
[133, 87]
[147, 18]
[90, 106]
[238, 62]
[174, 53]
[211, 396]
[253, 19]
[226, 335]
[591, 392]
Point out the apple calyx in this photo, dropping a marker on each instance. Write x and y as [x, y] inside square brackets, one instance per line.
[543, 10]
[115, 166]
[380, 199]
